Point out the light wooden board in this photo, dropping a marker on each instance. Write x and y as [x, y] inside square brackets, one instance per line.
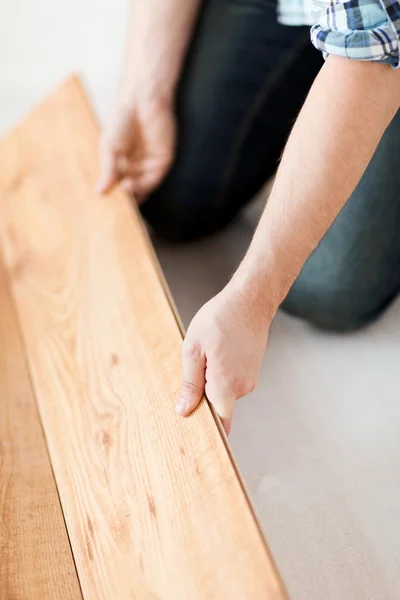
[152, 502]
[35, 557]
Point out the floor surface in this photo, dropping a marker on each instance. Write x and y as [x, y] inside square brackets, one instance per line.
[319, 441]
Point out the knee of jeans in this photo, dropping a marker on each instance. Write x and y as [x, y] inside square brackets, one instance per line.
[333, 306]
[174, 221]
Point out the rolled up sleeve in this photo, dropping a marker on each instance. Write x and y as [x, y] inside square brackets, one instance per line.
[358, 29]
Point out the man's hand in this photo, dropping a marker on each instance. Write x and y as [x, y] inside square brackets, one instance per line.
[137, 148]
[328, 150]
[222, 353]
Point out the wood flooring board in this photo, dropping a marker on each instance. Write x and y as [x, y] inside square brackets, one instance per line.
[152, 503]
[35, 557]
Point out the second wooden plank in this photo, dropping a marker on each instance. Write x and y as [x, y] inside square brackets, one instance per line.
[35, 557]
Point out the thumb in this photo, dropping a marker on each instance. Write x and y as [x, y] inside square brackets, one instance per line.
[194, 364]
[108, 172]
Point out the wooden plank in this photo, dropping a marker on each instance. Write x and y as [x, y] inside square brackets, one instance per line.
[152, 502]
[35, 556]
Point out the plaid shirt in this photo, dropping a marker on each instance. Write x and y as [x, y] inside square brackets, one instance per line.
[357, 29]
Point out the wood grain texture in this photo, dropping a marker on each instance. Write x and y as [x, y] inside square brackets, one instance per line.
[35, 556]
[152, 502]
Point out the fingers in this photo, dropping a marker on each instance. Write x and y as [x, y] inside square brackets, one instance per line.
[128, 184]
[136, 188]
[195, 385]
[138, 179]
[114, 167]
[223, 401]
[193, 380]
[144, 184]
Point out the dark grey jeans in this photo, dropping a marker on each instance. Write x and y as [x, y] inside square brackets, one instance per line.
[244, 81]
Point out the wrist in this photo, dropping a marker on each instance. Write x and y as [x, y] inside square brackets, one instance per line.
[254, 290]
[132, 103]
[263, 284]
[147, 78]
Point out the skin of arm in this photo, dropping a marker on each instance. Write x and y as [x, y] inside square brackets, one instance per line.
[138, 144]
[349, 106]
[159, 34]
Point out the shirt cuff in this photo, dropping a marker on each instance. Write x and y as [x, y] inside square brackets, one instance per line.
[358, 29]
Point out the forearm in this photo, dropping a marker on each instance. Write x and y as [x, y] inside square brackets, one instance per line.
[158, 36]
[344, 117]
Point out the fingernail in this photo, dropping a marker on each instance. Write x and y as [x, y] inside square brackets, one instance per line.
[181, 406]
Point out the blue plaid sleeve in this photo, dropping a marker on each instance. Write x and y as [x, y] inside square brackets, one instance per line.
[358, 29]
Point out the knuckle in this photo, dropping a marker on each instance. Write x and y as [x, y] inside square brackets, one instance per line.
[191, 350]
[189, 388]
[239, 387]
